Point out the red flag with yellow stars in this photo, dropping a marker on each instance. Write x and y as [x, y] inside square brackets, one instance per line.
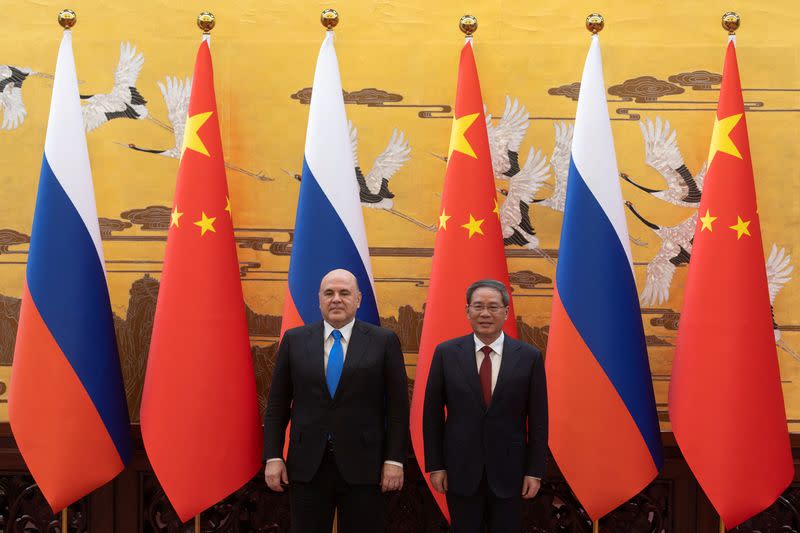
[199, 413]
[725, 399]
[469, 240]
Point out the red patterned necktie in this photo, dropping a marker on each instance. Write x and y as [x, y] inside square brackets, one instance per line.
[485, 375]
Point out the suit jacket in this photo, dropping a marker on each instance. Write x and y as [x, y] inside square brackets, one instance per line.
[507, 440]
[367, 419]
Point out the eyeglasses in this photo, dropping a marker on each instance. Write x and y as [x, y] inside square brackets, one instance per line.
[480, 308]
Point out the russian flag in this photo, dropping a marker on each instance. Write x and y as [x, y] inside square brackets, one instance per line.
[604, 431]
[66, 401]
[329, 226]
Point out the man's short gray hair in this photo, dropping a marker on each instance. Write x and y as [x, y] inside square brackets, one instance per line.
[490, 284]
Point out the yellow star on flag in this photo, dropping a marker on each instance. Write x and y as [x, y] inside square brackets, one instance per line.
[443, 218]
[707, 220]
[457, 140]
[721, 137]
[176, 217]
[741, 228]
[228, 205]
[206, 224]
[190, 137]
[496, 209]
[474, 226]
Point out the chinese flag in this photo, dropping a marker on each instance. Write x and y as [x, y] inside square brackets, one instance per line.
[469, 241]
[725, 399]
[199, 413]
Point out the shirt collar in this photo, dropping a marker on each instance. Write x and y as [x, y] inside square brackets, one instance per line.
[346, 330]
[496, 346]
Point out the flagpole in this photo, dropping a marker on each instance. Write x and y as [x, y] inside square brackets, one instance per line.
[595, 24]
[206, 22]
[67, 19]
[730, 23]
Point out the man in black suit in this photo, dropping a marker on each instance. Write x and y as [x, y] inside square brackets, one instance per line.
[343, 385]
[490, 451]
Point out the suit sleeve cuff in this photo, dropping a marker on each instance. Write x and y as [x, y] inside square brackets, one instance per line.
[274, 459]
[395, 463]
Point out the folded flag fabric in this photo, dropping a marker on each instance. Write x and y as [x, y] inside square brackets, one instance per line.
[66, 401]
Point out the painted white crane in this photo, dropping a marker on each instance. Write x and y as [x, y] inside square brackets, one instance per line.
[374, 186]
[663, 154]
[779, 268]
[522, 187]
[559, 161]
[11, 80]
[124, 100]
[506, 138]
[176, 93]
[675, 250]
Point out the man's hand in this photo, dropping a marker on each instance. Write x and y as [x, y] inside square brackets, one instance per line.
[530, 486]
[275, 474]
[439, 481]
[391, 477]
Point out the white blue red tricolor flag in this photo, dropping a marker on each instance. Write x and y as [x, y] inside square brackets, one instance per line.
[329, 226]
[604, 431]
[66, 401]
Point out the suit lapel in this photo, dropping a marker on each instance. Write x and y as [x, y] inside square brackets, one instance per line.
[316, 350]
[356, 347]
[508, 361]
[466, 360]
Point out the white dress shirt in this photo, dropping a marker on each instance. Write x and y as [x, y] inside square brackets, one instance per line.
[346, 331]
[495, 356]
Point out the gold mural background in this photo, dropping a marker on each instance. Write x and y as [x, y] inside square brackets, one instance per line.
[398, 62]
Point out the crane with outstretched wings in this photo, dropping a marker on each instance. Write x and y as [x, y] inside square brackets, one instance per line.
[506, 137]
[374, 186]
[663, 155]
[124, 100]
[515, 211]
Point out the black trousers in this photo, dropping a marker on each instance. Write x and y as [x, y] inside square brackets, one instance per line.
[361, 507]
[484, 512]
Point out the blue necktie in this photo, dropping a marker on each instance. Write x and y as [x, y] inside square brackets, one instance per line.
[335, 362]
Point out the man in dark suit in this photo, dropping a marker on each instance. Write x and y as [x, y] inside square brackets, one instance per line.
[490, 451]
[343, 385]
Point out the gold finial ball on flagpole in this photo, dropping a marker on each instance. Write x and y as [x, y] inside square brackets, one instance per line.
[329, 19]
[206, 21]
[595, 23]
[468, 24]
[731, 22]
[67, 18]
